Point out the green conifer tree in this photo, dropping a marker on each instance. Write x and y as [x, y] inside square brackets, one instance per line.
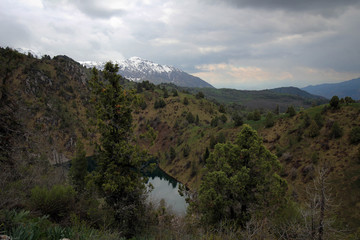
[240, 176]
[118, 174]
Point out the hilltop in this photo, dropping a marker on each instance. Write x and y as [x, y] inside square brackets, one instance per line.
[349, 88]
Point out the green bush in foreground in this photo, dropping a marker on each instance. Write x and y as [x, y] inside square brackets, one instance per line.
[56, 202]
[355, 135]
[240, 176]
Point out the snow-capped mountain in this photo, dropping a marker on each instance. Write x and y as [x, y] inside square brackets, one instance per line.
[27, 51]
[138, 69]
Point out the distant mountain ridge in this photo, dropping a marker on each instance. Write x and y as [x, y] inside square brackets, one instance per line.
[297, 92]
[349, 88]
[138, 69]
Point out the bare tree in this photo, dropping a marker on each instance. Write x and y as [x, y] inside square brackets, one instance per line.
[320, 209]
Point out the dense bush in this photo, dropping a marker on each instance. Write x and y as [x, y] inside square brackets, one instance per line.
[334, 102]
[269, 120]
[291, 111]
[336, 130]
[190, 117]
[200, 95]
[238, 120]
[175, 92]
[313, 130]
[159, 104]
[355, 135]
[223, 118]
[319, 120]
[56, 202]
[214, 122]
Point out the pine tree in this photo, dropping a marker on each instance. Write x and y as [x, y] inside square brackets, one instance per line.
[238, 176]
[118, 174]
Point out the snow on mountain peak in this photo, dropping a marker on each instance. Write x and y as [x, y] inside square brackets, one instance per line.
[144, 65]
[138, 69]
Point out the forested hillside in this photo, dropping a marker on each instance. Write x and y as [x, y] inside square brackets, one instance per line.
[249, 173]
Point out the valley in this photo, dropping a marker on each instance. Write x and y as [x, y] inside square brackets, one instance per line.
[47, 107]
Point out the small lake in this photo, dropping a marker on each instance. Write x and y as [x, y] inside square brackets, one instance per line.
[166, 187]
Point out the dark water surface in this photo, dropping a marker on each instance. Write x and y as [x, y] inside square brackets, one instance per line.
[166, 187]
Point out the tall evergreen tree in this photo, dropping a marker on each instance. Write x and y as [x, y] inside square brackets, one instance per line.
[118, 174]
[239, 176]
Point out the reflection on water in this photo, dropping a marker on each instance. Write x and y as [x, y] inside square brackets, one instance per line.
[166, 187]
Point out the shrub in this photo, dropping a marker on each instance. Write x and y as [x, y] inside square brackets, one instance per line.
[238, 121]
[56, 202]
[349, 100]
[159, 104]
[186, 101]
[334, 102]
[223, 118]
[291, 111]
[355, 135]
[222, 109]
[319, 120]
[186, 151]
[143, 104]
[257, 115]
[207, 153]
[166, 94]
[190, 117]
[336, 131]
[269, 120]
[172, 153]
[221, 138]
[213, 142]
[306, 121]
[175, 92]
[200, 95]
[214, 122]
[313, 130]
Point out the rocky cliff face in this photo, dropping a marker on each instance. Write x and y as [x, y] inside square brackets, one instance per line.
[51, 97]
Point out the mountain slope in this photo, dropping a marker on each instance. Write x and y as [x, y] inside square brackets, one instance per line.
[296, 91]
[137, 69]
[265, 99]
[349, 88]
[303, 154]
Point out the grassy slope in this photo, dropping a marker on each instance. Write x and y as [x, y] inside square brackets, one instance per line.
[52, 101]
[173, 130]
[337, 154]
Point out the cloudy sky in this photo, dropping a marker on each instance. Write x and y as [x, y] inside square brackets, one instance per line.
[242, 44]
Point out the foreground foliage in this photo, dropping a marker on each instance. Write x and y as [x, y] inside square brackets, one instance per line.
[118, 175]
[240, 177]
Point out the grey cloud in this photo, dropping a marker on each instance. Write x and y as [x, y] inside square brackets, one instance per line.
[13, 33]
[92, 10]
[88, 7]
[293, 5]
